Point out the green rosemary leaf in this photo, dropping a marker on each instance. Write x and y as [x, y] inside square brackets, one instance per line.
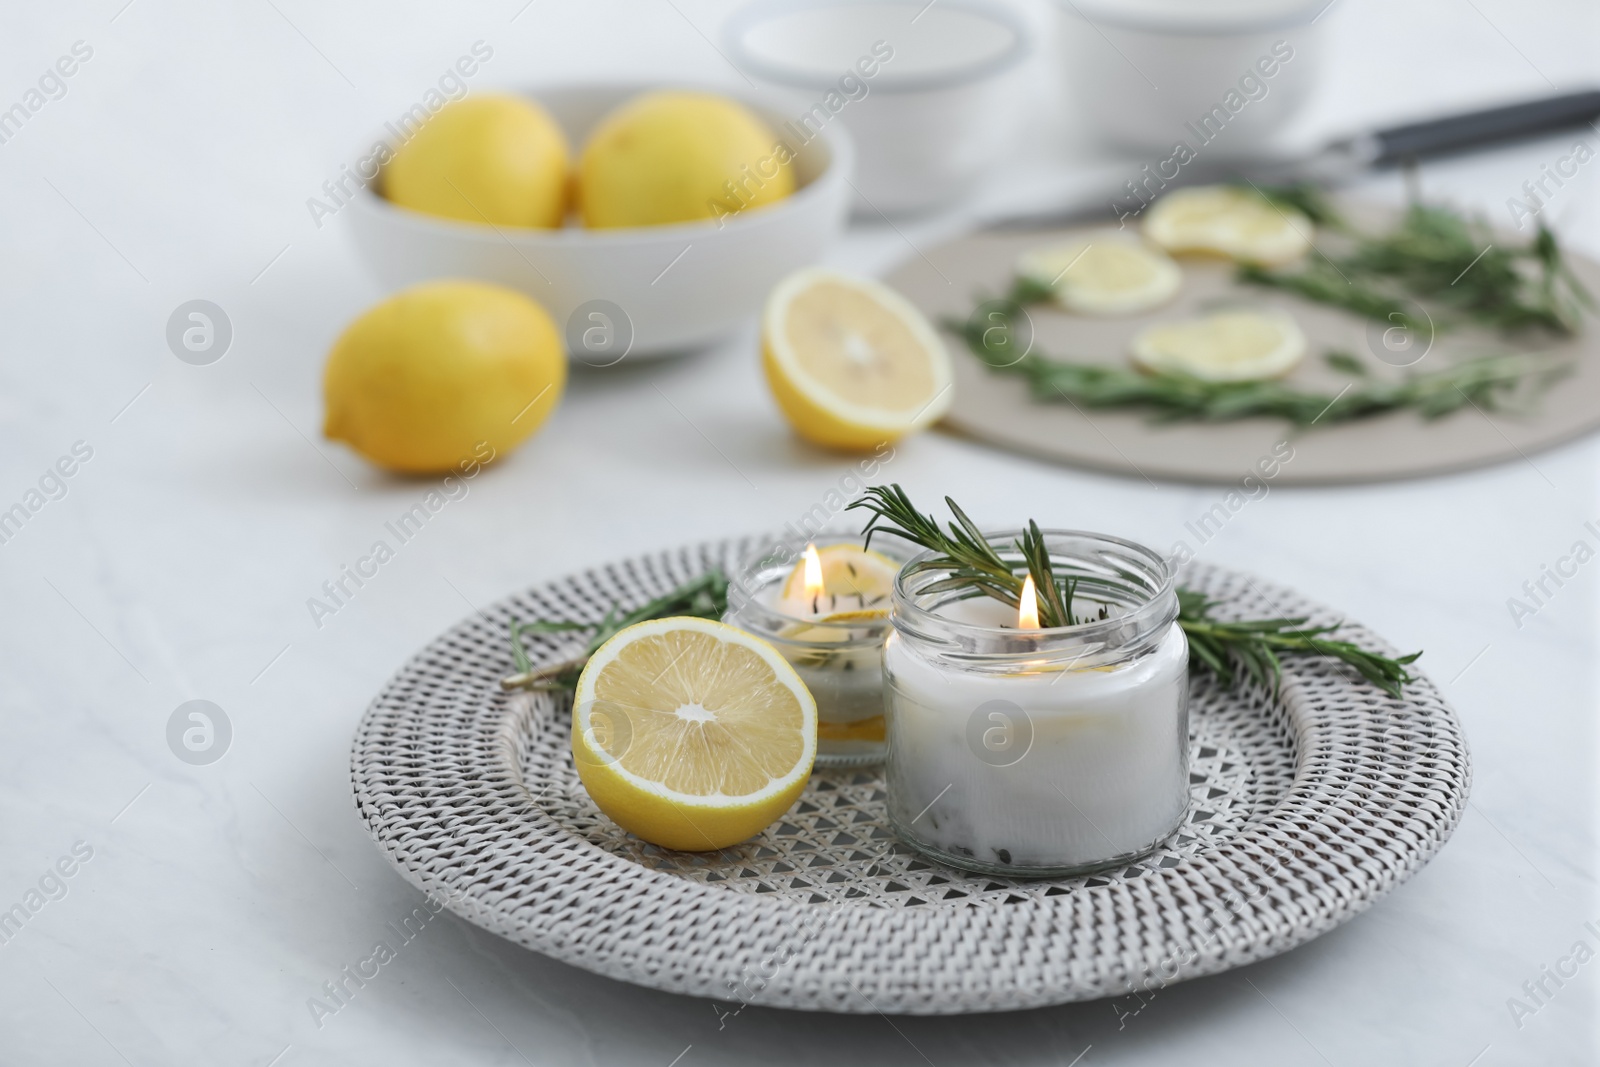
[1054, 610]
[1252, 647]
[1439, 255]
[1322, 282]
[1213, 655]
[1345, 363]
[1306, 198]
[705, 597]
[1025, 290]
[1493, 383]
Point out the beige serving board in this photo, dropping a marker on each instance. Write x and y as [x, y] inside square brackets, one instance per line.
[949, 280]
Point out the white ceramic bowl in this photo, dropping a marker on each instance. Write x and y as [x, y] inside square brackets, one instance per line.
[929, 121]
[645, 291]
[1149, 74]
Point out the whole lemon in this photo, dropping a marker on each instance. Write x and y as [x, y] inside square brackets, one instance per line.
[443, 373]
[674, 156]
[493, 158]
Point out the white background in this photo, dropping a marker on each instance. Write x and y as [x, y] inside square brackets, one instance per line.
[179, 564]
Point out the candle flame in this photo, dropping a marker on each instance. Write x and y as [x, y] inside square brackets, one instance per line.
[1028, 606]
[813, 578]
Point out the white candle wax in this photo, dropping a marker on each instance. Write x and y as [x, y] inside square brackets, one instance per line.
[1036, 764]
[845, 677]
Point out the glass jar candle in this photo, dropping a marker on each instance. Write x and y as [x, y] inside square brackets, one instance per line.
[1039, 751]
[832, 635]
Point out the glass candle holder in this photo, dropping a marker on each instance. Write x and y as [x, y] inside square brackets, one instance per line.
[841, 662]
[1039, 751]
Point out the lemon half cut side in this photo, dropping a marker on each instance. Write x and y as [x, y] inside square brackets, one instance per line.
[692, 734]
[852, 363]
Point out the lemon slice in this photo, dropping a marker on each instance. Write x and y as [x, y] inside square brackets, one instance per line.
[692, 734]
[1103, 275]
[851, 363]
[1229, 221]
[1228, 346]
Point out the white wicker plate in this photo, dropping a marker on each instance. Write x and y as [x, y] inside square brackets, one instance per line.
[1306, 809]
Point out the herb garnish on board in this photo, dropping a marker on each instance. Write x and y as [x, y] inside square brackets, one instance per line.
[1491, 383]
[1435, 255]
[1442, 256]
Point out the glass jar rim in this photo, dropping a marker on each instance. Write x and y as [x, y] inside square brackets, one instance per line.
[749, 610]
[1157, 605]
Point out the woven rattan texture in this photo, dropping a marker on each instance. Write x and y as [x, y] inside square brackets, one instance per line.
[1306, 808]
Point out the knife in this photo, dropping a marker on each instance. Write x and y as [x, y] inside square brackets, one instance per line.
[1349, 157]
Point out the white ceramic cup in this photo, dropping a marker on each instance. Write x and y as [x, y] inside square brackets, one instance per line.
[931, 92]
[635, 292]
[1224, 77]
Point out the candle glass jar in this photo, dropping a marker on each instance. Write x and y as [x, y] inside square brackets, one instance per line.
[1050, 751]
[841, 661]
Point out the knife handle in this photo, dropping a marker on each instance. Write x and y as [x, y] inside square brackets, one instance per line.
[1479, 128]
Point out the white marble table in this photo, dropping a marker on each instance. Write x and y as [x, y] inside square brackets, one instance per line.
[215, 900]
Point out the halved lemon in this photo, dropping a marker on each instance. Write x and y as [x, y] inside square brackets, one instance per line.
[1103, 275]
[856, 583]
[692, 734]
[1226, 346]
[1229, 220]
[851, 363]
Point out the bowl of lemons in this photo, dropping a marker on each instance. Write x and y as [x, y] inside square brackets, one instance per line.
[645, 220]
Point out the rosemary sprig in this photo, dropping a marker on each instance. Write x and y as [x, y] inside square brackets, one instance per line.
[1492, 383]
[705, 597]
[1440, 255]
[1254, 647]
[1321, 281]
[1250, 648]
[1306, 198]
[967, 554]
[1435, 254]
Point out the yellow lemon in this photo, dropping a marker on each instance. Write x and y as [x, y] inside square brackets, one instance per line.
[441, 374]
[692, 734]
[1228, 220]
[675, 156]
[1227, 346]
[493, 159]
[851, 363]
[1103, 275]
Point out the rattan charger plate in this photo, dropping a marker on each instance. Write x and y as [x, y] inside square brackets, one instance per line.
[1306, 808]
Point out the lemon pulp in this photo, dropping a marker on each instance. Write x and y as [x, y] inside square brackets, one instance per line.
[851, 363]
[692, 734]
